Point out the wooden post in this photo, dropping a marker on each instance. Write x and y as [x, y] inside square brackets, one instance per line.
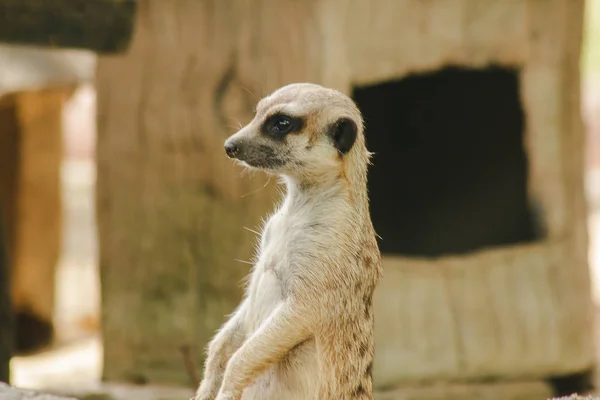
[99, 25]
[30, 194]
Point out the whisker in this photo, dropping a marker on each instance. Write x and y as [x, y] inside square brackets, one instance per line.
[237, 124]
[251, 230]
[247, 90]
[257, 190]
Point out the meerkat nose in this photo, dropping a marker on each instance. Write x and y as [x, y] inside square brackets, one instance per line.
[231, 149]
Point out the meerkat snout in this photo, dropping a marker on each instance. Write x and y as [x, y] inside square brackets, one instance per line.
[231, 149]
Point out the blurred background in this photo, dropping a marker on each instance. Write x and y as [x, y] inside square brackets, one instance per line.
[121, 213]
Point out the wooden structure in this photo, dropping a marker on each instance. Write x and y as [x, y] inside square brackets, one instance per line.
[489, 281]
[34, 84]
[102, 25]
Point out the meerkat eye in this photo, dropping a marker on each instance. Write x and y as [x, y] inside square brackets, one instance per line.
[280, 124]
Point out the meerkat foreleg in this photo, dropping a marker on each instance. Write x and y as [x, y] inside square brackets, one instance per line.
[220, 349]
[286, 327]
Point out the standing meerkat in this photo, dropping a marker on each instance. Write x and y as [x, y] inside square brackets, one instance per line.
[304, 329]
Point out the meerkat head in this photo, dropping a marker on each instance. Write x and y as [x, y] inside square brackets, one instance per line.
[301, 130]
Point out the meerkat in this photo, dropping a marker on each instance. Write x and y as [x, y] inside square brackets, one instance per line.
[304, 328]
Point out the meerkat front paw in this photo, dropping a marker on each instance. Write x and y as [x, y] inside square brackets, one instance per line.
[207, 390]
[203, 396]
[228, 396]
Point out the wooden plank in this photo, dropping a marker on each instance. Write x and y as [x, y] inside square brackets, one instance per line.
[497, 312]
[103, 26]
[28, 68]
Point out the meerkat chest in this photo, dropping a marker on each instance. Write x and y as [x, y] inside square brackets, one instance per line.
[274, 270]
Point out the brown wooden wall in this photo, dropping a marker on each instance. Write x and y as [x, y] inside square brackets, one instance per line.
[171, 207]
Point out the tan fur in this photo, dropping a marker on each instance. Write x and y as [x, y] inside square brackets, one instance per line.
[304, 330]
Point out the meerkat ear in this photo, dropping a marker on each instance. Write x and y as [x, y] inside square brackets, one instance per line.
[343, 132]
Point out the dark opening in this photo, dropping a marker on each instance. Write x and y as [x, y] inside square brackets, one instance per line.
[578, 382]
[450, 170]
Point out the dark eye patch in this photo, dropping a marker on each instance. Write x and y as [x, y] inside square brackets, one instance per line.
[278, 125]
